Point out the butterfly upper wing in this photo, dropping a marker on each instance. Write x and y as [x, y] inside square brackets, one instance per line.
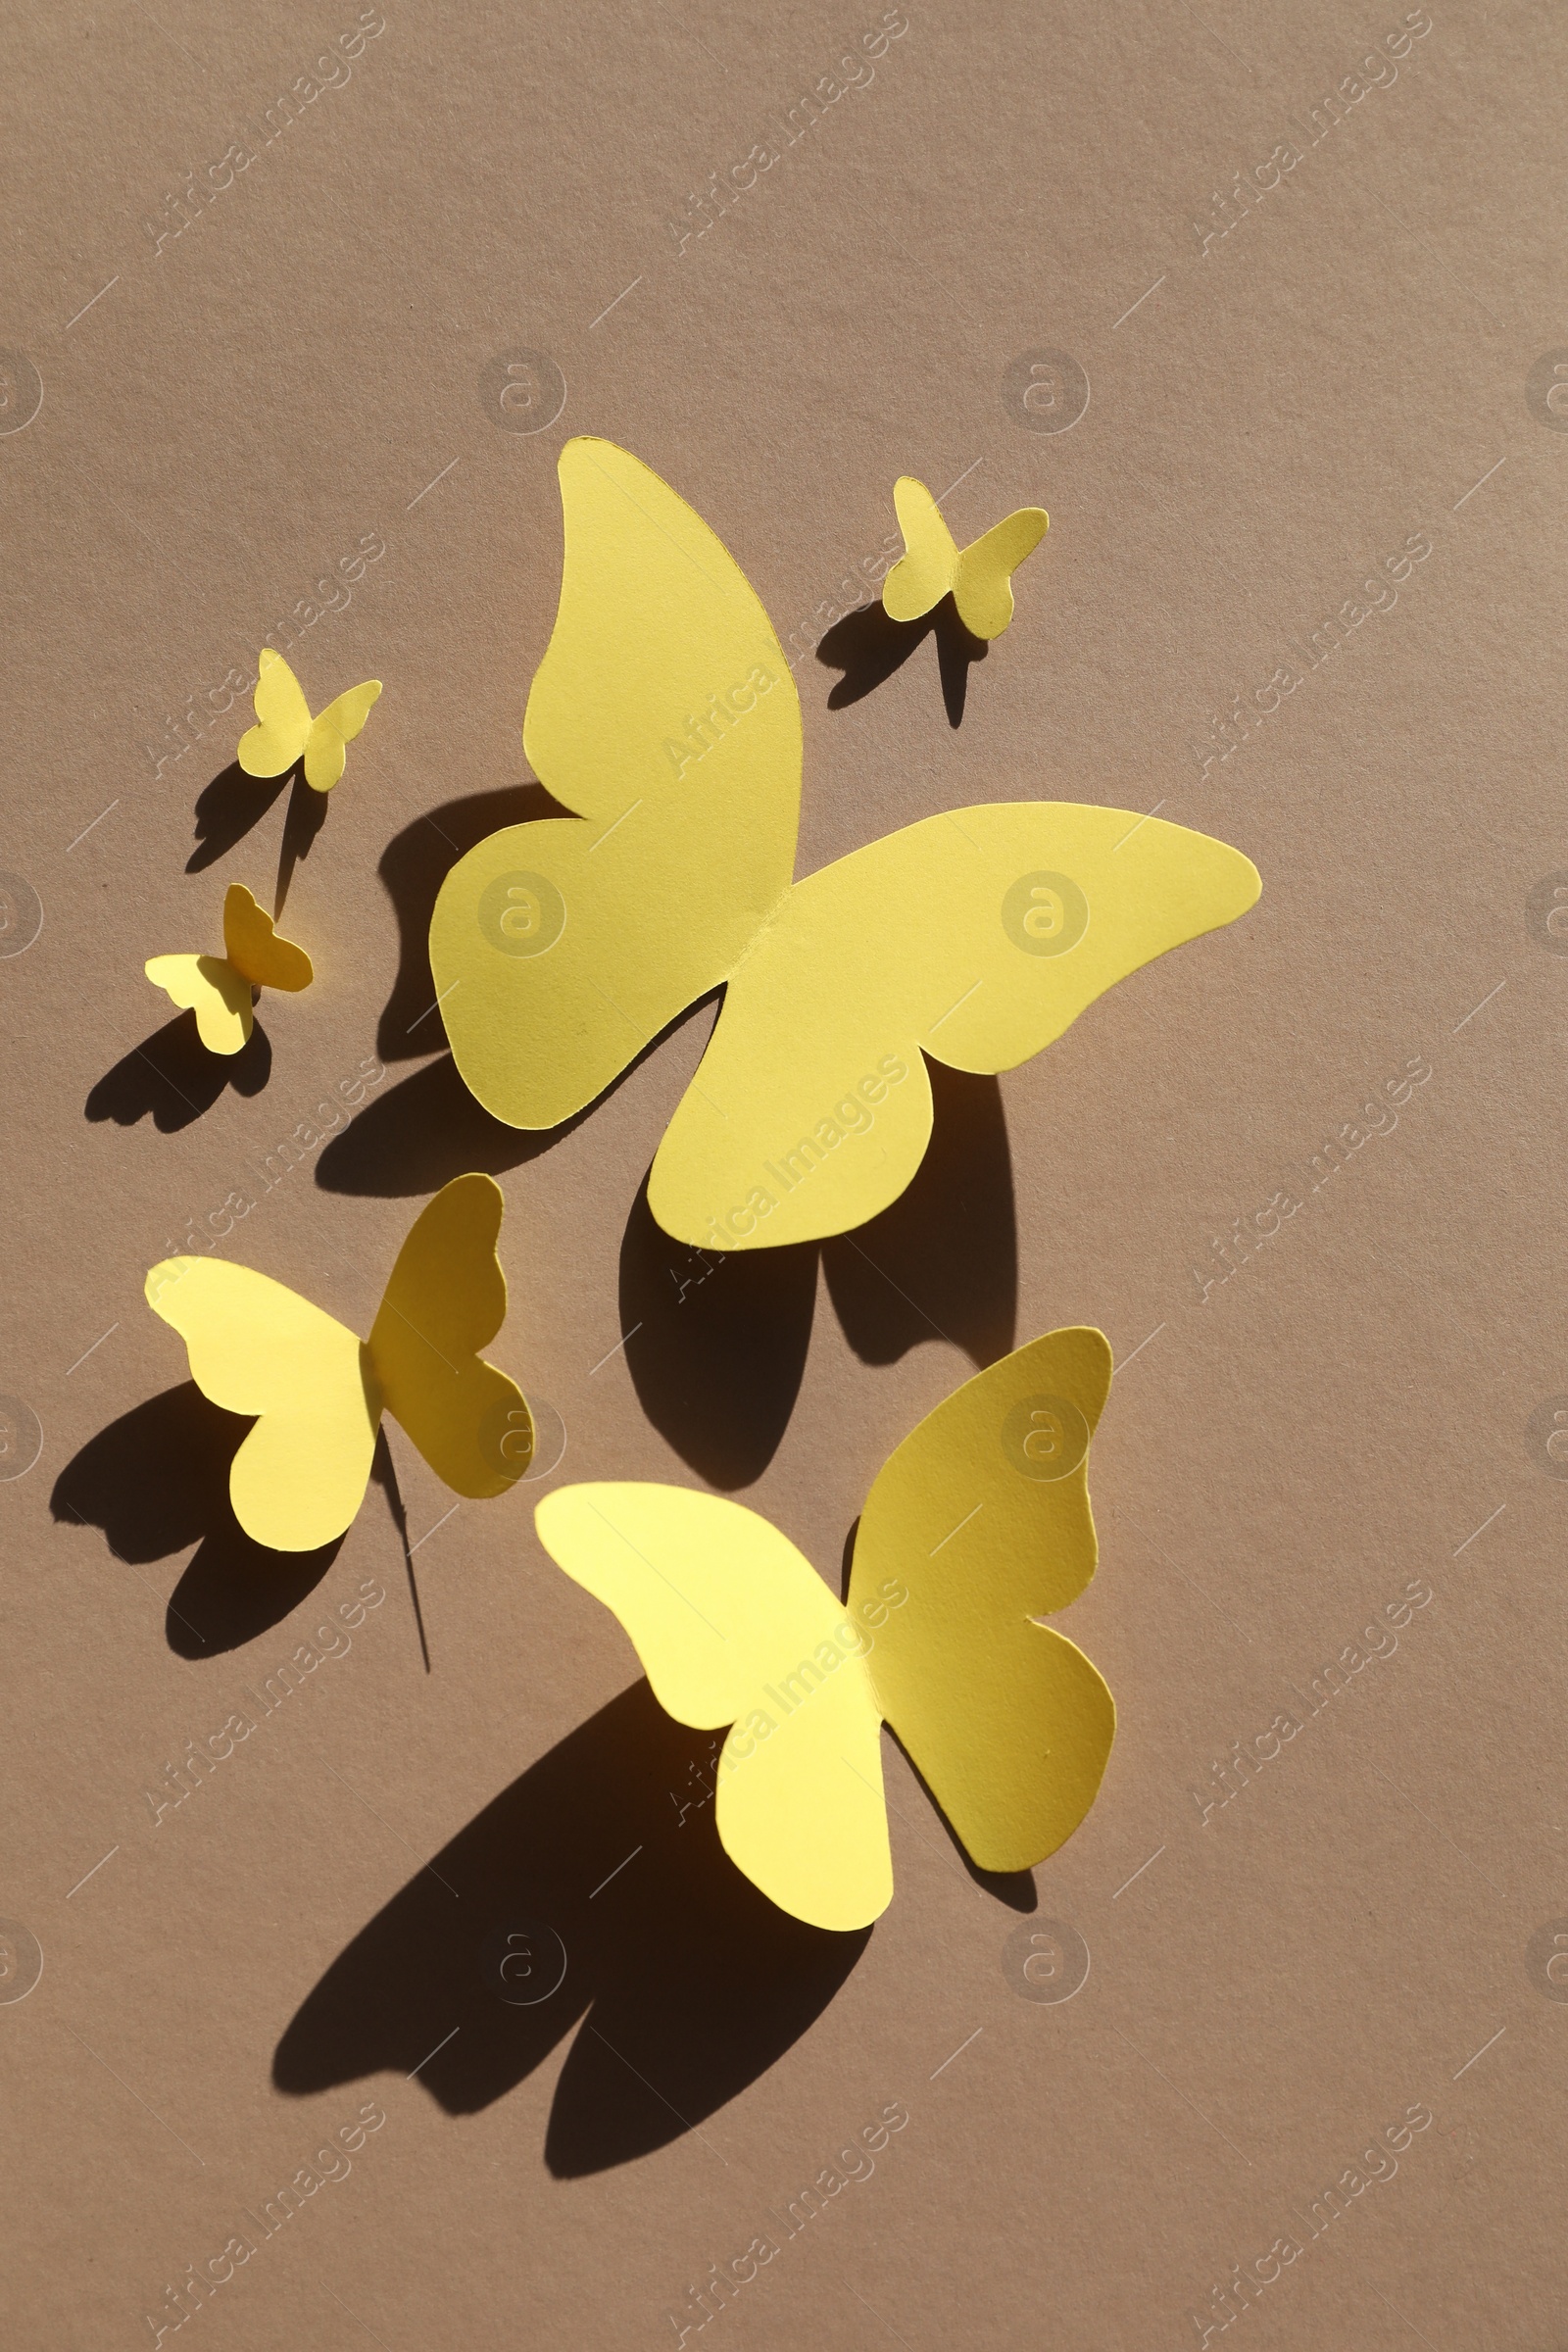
[212, 988]
[446, 1297]
[259, 951]
[560, 948]
[733, 1626]
[976, 937]
[300, 1477]
[924, 573]
[982, 1517]
[982, 579]
[282, 721]
[335, 727]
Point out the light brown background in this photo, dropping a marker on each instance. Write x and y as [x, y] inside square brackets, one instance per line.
[1280, 410]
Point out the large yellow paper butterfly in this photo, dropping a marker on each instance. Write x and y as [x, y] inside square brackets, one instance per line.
[664, 711]
[319, 1392]
[218, 987]
[284, 726]
[980, 575]
[978, 1526]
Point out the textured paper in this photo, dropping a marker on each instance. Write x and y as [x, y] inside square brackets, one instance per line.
[665, 713]
[978, 577]
[319, 1392]
[1008, 1722]
[218, 988]
[285, 730]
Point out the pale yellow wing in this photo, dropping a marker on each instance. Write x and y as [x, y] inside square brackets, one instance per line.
[334, 730]
[977, 938]
[256, 1348]
[924, 573]
[282, 721]
[982, 1518]
[982, 579]
[665, 713]
[446, 1298]
[256, 949]
[733, 1626]
[211, 987]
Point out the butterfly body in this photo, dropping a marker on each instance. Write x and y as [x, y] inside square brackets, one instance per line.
[979, 577]
[318, 1392]
[285, 730]
[665, 713]
[977, 1524]
[218, 988]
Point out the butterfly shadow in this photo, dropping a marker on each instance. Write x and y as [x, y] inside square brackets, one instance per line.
[173, 1079]
[717, 1342]
[226, 809]
[156, 1481]
[868, 646]
[684, 1981]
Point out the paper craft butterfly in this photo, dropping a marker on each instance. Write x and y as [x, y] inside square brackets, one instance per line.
[980, 577]
[319, 1392]
[664, 711]
[977, 1526]
[218, 987]
[284, 726]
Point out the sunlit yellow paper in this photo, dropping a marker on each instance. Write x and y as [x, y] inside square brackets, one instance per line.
[284, 729]
[218, 988]
[979, 576]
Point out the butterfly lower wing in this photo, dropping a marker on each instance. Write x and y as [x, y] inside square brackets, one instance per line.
[282, 721]
[733, 1626]
[924, 573]
[256, 949]
[256, 1348]
[446, 1297]
[335, 727]
[982, 1518]
[210, 986]
[982, 580]
[975, 937]
[664, 711]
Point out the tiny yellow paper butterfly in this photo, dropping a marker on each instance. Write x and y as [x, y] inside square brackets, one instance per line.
[285, 728]
[319, 1392]
[980, 575]
[976, 1527]
[218, 987]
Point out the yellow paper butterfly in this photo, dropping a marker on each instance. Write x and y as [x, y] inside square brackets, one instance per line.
[664, 711]
[319, 1392]
[980, 575]
[978, 1526]
[285, 728]
[218, 987]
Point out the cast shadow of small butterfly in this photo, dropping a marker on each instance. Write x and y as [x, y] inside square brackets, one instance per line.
[172, 1078]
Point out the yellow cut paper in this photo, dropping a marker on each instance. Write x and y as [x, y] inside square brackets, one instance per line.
[978, 1524]
[666, 714]
[979, 576]
[284, 729]
[319, 1392]
[218, 988]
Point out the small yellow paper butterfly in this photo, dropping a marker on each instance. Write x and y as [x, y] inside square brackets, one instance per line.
[285, 728]
[218, 987]
[663, 712]
[319, 1392]
[980, 575]
[978, 1526]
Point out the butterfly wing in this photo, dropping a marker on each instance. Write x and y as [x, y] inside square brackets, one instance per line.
[212, 988]
[259, 951]
[300, 1477]
[663, 712]
[924, 573]
[334, 730]
[733, 1626]
[282, 721]
[977, 938]
[982, 1517]
[446, 1297]
[982, 579]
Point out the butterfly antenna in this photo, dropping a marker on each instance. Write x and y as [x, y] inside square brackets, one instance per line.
[385, 1474]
